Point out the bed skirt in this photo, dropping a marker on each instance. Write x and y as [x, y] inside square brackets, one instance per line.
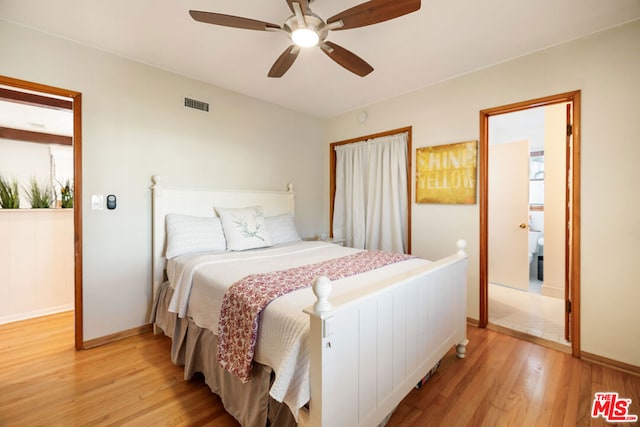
[195, 348]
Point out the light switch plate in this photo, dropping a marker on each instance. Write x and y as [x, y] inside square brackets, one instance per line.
[97, 202]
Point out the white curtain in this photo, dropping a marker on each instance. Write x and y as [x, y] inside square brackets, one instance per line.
[370, 207]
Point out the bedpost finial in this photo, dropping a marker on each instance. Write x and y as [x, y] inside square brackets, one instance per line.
[290, 187]
[156, 179]
[322, 289]
[461, 244]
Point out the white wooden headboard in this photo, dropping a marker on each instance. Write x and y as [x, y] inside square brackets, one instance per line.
[201, 202]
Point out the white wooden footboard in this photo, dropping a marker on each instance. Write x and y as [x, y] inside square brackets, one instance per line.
[369, 351]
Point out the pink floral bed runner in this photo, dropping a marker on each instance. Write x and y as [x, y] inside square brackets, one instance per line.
[245, 299]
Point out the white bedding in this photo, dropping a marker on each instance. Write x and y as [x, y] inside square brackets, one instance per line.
[201, 280]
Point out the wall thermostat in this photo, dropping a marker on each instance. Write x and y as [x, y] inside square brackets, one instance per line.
[111, 201]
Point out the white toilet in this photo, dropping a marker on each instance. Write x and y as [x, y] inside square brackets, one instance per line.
[534, 236]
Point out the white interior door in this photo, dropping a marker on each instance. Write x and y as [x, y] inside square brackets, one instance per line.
[508, 233]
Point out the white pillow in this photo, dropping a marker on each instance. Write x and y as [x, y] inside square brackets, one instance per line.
[282, 229]
[244, 228]
[187, 234]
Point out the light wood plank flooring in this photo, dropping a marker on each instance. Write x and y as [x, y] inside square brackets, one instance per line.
[503, 381]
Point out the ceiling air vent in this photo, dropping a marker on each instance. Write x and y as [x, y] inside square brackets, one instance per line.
[195, 104]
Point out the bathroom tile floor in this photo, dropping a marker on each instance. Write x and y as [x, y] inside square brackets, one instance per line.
[535, 286]
[531, 313]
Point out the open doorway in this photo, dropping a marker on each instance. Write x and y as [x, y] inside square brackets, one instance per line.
[516, 221]
[30, 93]
[527, 181]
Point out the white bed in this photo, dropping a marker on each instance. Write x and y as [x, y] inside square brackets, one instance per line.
[351, 352]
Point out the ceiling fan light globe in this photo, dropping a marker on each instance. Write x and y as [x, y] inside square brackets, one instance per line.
[305, 37]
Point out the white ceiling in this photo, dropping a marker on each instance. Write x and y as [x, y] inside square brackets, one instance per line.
[36, 119]
[444, 39]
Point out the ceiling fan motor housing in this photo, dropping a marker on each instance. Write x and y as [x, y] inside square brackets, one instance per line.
[311, 22]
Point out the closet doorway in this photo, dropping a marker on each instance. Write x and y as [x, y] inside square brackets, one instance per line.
[510, 170]
[43, 95]
[370, 191]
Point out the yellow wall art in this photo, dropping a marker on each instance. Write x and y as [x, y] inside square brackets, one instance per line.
[446, 174]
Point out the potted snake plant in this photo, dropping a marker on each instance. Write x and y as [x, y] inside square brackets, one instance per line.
[40, 195]
[9, 196]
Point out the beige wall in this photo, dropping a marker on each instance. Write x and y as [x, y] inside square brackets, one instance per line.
[134, 126]
[28, 160]
[605, 67]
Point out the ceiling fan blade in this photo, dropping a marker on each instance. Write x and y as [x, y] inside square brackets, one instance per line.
[231, 21]
[373, 12]
[304, 4]
[297, 10]
[347, 59]
[284, 61]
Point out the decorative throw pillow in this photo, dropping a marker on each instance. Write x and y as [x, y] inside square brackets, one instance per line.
[282, 229]
[244, 228]
[187, 234]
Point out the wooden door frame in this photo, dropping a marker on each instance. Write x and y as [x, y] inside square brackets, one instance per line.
[572, 245]
[77, 184]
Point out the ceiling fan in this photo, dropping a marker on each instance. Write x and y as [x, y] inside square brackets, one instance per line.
[306, 29]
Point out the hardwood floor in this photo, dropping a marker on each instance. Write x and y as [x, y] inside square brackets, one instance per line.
[503, 381]
[45, 382]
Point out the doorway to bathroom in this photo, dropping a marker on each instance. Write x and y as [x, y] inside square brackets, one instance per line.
[529, 216]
